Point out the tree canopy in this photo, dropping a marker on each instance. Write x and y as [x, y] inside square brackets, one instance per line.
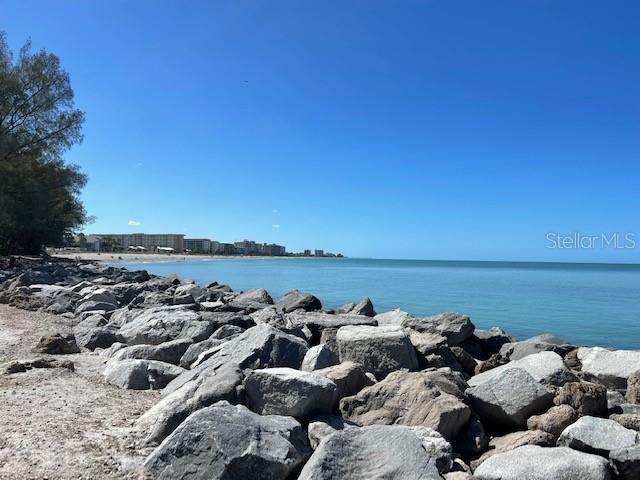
[39, 192]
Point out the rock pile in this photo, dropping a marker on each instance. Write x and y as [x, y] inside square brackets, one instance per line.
[253, 388]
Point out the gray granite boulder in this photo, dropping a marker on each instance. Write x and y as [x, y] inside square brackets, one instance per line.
[597, 435]
[296, 299]
[511, 441]
[286, 391]
[230, 442]
[318, 357]
[140, 374]
[194, 350]
[532, 462]
[410, 398]
[168, 352]
[160, 324]
[455, 327]
[323, 426]
[213, 385]
[380, 350]
[510, 398]
[375, 452]
[349, 378]
[610, 367]
[363, 307]
[393, 317]
[317, 322]
[257, 295]
[626, 462]
[544, 367]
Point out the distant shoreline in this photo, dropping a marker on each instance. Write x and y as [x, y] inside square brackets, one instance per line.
[164, 257]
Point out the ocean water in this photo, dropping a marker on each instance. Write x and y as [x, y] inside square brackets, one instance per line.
[587, 304]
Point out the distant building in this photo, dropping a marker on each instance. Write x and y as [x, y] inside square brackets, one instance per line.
[220, 248]
[197, 245]
[142, 241]
[248, 247]
[307, 253]
[319, 253]
[273, 249]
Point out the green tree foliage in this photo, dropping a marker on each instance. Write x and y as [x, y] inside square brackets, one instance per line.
[39, 192]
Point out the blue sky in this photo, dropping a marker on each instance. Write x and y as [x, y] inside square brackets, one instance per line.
[395, 129]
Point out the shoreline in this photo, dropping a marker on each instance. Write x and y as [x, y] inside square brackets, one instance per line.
[165, 258]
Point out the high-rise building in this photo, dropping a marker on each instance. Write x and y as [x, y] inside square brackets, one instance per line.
[146, 241]
[197, 245]
[319, 253]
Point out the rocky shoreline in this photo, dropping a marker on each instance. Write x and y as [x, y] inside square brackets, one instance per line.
[256, 388]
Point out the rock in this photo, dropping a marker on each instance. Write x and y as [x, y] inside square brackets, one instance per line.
[318, 357]
[317, 322]
[492, 340]
[614, 399]
[514, 440]
[370, 453]
[94, 332]
[393, 317]
[93, 294]
[140, 374]
[364, 307]
[633, 387]
[195, 349]
[510, 399]
[471, 439]
[213, 385]
[261, 346]
[494, 361]
[323, 426]
[427, 343]
[554, 420]
[349, 378]
[585, 398]
[296, 299]
[160, 324]
[532, 462]
[544, 367]
[627, 420]
[455, 327]
[168, 352]
[225, 319]
[467, 362]
[227, 332]
[257, 295]
[410, 398]
[610, 367]
[231, 442]
[285, 391]
[380, 350]
[21, 366]
[436, 446]
[626, 462]
[92, 306]
[57, 344]
[597, 435]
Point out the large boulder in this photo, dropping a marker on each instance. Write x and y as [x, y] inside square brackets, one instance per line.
[597, 435]
[586, 398]
[140, 374]
[626, 462]
[510, 399]
[410, 398]
[160, 324]
[610, 367]
[364, 307]
[532, 462]
[295, 300]
[261, 346]
[393, 317]
[57, 344]
[318, 357]
[257, 295]
[226, 441]
[349, 378]
[514, 440]
[554, 420]
[375, 452]
[455, 327]
[168, 352]
[317, 322]
[213, 385]
[323, 426]
[544, 367]
[195, 349]
[540, 343]
[380, 350]
[285, 391]
[92, 294]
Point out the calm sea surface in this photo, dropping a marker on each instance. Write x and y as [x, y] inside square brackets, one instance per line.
[587, 304]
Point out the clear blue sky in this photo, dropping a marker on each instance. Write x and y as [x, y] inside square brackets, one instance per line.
[395, 129]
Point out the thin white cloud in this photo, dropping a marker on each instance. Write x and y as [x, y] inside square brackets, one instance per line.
[275, 226]
[134, 223]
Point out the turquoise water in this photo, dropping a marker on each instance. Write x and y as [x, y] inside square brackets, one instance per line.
[587, 304]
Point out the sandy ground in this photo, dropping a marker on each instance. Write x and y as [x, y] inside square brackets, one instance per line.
[159, 257]
[57, 424]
